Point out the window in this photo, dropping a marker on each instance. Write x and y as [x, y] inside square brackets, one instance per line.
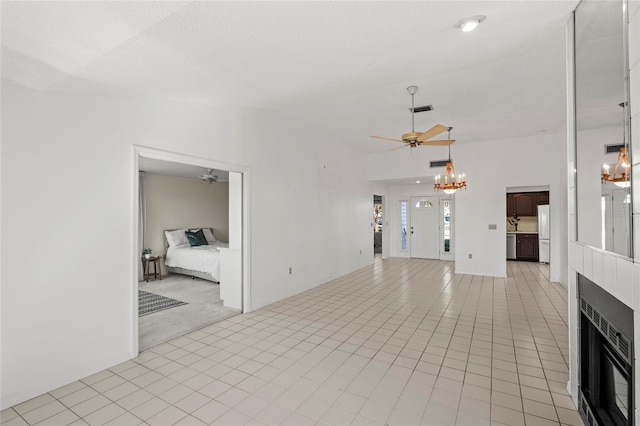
[403, 225]
[446, 206]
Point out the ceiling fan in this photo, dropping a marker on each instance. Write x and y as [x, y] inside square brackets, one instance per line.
[413, 138]
[209, 176]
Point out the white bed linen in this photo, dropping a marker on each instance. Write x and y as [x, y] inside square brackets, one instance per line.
[200, 258]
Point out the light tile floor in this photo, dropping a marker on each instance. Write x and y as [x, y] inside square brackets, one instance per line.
[403, 342]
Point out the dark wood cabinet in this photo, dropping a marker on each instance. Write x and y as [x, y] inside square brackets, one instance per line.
[543, 198]
[527, 247]
[525, 204]
[511, 210]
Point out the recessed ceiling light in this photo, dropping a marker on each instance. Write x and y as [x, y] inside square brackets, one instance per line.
[470, 24]
[417, 181]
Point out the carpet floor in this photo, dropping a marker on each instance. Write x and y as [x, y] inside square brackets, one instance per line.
[203, 307]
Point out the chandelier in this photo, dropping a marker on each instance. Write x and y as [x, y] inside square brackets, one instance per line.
[450, 183]
[621, 180]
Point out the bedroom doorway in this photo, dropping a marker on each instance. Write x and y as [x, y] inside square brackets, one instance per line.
[194, 200]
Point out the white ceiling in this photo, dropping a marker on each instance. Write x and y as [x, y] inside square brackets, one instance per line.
[341, 67]
[170, 168]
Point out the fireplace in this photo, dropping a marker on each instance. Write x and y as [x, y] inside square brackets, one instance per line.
[606, 357]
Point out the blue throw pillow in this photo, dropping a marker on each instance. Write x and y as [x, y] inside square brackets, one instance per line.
[196, 238]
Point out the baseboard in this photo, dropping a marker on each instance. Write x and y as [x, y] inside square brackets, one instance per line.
[457, 272]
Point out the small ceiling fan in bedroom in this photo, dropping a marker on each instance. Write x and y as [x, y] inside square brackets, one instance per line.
[413, 138]
[208, 176]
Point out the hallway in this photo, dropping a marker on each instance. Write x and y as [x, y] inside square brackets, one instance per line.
[402, 342]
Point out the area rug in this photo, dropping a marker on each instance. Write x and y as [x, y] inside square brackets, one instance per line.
[149, 303]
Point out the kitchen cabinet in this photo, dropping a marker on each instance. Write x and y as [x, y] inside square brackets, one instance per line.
[543, 198]
[527, 247]
[525, 204]
[511, 209]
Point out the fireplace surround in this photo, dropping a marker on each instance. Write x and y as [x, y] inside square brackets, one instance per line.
[606, 357]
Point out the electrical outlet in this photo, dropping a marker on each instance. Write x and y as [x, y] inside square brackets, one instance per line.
[493, 226]
[290, 270]
[470, 256]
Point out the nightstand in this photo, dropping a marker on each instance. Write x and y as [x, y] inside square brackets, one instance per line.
[156, 268]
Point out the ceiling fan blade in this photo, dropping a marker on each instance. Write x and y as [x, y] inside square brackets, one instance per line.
[395, 149]
[386, 139]
[437, 143]
[434, 131]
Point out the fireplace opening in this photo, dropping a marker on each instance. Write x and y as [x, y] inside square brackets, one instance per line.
[606, 358]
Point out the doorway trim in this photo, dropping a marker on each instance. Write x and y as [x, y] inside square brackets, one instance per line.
[156, 154]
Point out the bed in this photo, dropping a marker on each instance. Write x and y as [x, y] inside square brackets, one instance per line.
[193, 252]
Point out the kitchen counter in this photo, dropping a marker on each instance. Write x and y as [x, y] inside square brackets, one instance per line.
[522, 232]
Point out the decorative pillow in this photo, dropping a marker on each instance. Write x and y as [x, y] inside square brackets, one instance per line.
[208, 234]
[196, 238]
[176, 238]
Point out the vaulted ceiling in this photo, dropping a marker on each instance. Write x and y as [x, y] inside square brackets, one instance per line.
[341, 67]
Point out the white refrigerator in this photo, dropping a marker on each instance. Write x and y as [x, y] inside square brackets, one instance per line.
[543, 234]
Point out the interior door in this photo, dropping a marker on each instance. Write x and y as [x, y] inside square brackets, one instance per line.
[425, 227]
[620, 220]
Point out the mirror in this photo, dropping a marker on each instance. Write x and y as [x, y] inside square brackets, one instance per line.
[602, 120]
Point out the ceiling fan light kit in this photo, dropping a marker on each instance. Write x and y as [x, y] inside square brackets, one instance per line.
[208, 176]
[414, 139]
[450, 183]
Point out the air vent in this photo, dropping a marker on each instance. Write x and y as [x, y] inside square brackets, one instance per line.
[613, 335]
[438, 163]
[613, 149]
[422, 108]
[619, 341]
[624, 346]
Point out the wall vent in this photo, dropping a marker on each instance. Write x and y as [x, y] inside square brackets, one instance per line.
[618, 340]
[422, 108]
[438, 163]
[613, 149]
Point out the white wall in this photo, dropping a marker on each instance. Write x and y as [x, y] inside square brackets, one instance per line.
[175, 202]
[321, 231]
[491, 167]
[68, 180]
[618, 275]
